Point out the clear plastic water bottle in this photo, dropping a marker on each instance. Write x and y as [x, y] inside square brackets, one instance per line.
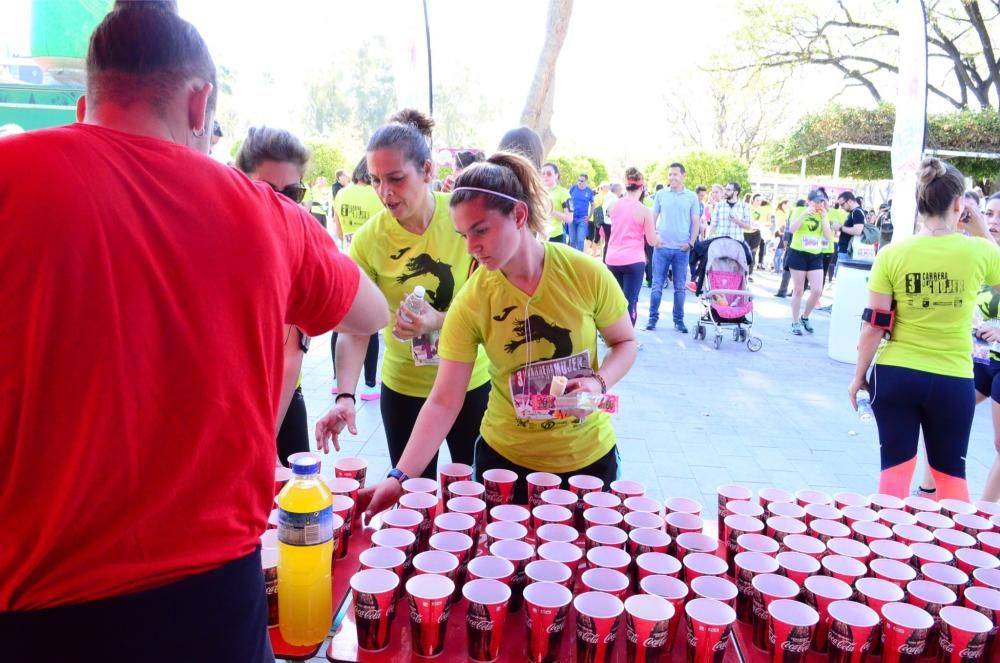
[415, 303]
[865, 413]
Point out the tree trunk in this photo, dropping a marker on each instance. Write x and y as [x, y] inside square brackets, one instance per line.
[537, 112]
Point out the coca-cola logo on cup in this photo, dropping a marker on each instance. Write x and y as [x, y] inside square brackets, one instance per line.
[841, 638]
[367, 607]
[586, 630]
[557, 625]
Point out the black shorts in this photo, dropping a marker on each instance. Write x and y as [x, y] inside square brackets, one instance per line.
[985, 377]
[804, 261]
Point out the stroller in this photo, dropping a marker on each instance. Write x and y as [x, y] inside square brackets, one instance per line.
[726, 301]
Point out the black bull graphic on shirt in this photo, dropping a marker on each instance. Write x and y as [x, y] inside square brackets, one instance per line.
[440, 298]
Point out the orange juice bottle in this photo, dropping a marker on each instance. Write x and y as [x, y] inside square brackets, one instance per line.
[305, 550]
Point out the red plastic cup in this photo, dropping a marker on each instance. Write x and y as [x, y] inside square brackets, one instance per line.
[797, 566]
[824, 530]
[504, 530]
[891, 517]
[605, 535]
[819, 592]
[545, 514]
[546, 606]
[499, 486]
[924, 553]
[555, 532]
[608, 581]
[682, 505]
[970, 559]
[786, 510]
[910, 534]
[989, 542]
[854, 514]
[559, 497]
[843, 568]
[653, 563]
[866, 532]
[387, 559]
[580, 485]
[986, 601]
[756, 543]
[351, 468]
[849, 548]
[538, 483]
[881, 501]
[597, 616]
[347, 487]
[987, 509]
[964, 633]
[519, 554]
[702, 564]
[467, 489]
[470, 506]
[750, 509]
[490, 567]
[848, 498]
[805, 497]
[564, 553]
[455, 522]
[853, 627]
[427, 505]
[671, 589]
[430, 600]
[748, 566]
[449, 474]
[647, 622]
[269, 539]
[402, 518]
[805, 544]
[420, 485]
[681, 523]
[769, 495]
[269, 565]
[647, 540]
[778, 527]
[692, 542]
[933, 521]
[951, 577]
[606, 557]
[400, 539]
[485, 617]
[437, 562]
[513, 513]
[822, 512]
[931, 597]
[790, 627]
[282, 475]
[458, 544]
[769, 587]
[894, 571]
[972, 523]
[952, 507]
[600, 516]
[643, 504]
[730, 493]
[876, 593]
[716, 588]
[733, 527]
[915, 504]
[602, 500]
[374, 591]
[906, 630]
[952, 539]
[544, 570]
[641, 520]
[709, 624]
[624, 489]
[343, 506]
[986, 578]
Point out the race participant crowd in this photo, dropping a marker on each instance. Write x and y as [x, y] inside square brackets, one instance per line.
[163, 320]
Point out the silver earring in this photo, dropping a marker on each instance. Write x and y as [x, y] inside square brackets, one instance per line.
[198, 134]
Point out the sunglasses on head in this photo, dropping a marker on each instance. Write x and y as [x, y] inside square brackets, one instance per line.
[294, 192]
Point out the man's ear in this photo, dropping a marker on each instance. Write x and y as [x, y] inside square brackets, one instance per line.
[428, 171]
[198, 106]
[81, 108]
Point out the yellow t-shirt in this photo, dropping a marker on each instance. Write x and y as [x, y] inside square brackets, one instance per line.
[398, 261]
[837, 216]
[809, 237]
[934, 281]
[354, 205]
[522, 334]
[559, 195]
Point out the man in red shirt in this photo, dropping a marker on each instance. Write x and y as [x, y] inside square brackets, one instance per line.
[145, 288]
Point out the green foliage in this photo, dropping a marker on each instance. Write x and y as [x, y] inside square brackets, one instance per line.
[571, 167]
[234, 149]
[443, 172]
[703, 169]
[967, 131]
[325, 160]
[600, 170]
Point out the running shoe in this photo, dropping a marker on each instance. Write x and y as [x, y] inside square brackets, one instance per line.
[650, 326]
[370, 393]
[797, 329]
[679, 326]
[805, 325]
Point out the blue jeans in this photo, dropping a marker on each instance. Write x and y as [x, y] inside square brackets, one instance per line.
[629, 278]
[779, 256]
[677, 261]
[578, 233]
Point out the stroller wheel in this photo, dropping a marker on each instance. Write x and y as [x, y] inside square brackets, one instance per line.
[754, 344]
[718, 341]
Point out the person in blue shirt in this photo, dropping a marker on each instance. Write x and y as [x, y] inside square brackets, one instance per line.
[678, 219]
[583, 204]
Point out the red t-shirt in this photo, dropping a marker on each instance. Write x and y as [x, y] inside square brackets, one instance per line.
[144, 288]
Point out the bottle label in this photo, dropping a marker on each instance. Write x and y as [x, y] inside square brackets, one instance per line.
[305, 529]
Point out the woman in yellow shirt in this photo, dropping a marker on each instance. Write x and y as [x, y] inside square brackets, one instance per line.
[923, 377]
[410, 243]
[536, 308]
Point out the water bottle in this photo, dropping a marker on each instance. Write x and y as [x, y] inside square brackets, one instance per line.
[415, 303]
[865, 407]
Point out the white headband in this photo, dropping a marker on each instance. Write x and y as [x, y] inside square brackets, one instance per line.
[495, 193]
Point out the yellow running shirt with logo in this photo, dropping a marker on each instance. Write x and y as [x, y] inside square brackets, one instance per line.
[934, 281]
[809, 237]
[398, 261]
[559, 195]
[528, 340]
[837, 216]
[355, 204]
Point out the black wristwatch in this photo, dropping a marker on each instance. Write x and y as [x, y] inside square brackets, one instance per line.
[397, 474]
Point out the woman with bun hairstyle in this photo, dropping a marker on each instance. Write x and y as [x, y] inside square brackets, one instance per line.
[410, 243]
[536, 308]
[632, 226]
[922, 295]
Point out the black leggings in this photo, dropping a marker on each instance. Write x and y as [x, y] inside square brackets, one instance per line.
[293, 436]
[399, 414]
[604, 468]
[754, 241]
[371, 357]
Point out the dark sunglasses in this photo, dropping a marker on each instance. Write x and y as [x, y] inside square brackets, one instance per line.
[294, 192]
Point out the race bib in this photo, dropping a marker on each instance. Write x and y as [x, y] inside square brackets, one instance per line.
[810, 242]
[535, 379]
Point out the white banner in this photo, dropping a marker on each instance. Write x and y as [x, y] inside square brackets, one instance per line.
[911, 115]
